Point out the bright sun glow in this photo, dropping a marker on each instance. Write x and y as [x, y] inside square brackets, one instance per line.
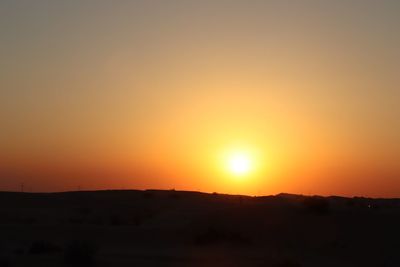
[239, 164]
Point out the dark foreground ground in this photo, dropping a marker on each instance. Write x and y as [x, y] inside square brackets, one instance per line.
[171, 228]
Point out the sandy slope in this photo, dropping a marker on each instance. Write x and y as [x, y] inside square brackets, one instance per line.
[171, 228]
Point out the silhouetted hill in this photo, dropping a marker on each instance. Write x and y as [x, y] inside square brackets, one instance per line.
[179, 228]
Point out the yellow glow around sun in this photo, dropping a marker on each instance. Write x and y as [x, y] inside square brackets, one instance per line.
[239, 164]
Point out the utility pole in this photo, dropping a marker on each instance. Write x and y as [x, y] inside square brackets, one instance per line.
[22, 187]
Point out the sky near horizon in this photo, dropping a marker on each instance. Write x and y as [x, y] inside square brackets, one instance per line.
[154, 94]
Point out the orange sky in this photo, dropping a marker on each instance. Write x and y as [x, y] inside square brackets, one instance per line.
[142, 95]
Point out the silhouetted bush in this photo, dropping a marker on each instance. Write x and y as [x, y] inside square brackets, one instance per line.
[80, 253]
[317, 205]
[43, 247]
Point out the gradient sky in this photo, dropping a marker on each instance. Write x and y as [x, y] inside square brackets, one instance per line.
[150, 94]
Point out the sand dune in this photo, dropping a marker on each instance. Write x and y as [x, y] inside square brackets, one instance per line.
[177, 228]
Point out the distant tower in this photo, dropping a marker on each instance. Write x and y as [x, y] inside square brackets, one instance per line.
[22, 187]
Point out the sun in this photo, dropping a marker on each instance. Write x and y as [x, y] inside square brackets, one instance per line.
[239, 164]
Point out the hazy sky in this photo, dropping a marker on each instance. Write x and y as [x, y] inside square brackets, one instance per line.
[150, 94]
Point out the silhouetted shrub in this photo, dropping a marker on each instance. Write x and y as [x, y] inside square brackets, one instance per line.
[80, 253]
[43, 247]
[317, 205]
